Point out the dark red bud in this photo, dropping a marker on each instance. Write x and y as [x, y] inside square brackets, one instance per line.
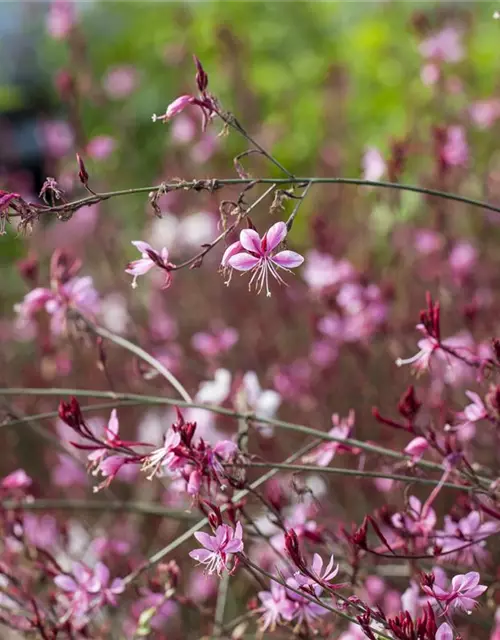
[82, 171]
[201, 76]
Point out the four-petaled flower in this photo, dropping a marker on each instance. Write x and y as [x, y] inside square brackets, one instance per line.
[149, 258]
[276, 607]
[465, 588]
[226, 542]
[253, 253]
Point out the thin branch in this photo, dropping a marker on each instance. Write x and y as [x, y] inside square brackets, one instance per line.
[280, 424]
[98, 505]
[138, 351]
[213, 184]
[289, 222]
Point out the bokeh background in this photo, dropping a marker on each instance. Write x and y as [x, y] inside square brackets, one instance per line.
[402, 91]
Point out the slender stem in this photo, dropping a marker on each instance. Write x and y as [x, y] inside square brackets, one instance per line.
[357, 473]
[289, 222]
[210, 185]
[280, 424]
[220, 607]
[98, 505]
[144, 355]
[305, 595]
[231, 121]
[159, 555]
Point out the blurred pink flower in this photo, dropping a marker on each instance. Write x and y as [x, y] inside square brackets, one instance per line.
[455, 150]
[445, 632]
[120, 81]
[444, 46]
[215, 343]
[253, 253]
[463, 258]
[456, 535]
[18, 479]
[427, 241]
[484, 113]
[430, 74]
[101, 147]
[183, 129]
[60, 19]
[275, 607]
[56, 137]
[321, 270]
[215, 391]
[324, 453]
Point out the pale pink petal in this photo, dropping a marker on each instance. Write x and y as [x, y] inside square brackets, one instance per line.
[444, 632]
[288, 259]
[201, 555]
[113, 424]
[66, 583]
[275, 235]
[232, 250]
[243, 262]
[205, 539]
[143, 247]
[250, 240]
[139, 267]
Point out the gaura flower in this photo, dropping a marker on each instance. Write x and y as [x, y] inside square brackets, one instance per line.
[253, 253]
[465, 588]
[214, 555]
[149, 259]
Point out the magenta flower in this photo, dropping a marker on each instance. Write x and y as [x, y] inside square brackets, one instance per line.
[324, 453]
[16, 480]
[444, 632]
[111, 438]
[253, 253]
[149, 258]
[316, 576]
[276, 607]
[465, 588]
[416, 448]
[456, 536]
[77, 293]
[214, 555]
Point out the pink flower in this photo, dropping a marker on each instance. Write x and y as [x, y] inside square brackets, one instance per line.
[214, 555]
[175, 107]
[459, 534]
[264, 402]
[60, 19]
[85, 590]
[416, 520]
[322, 271]
[276, 607]
[100, 147]
[16, 480]
[149, 259]
[216, 343]
[416, 448]
[120, 81]
[444, 632]
[421, 360]
[427, 241]
[462, 260]
[318, 575]
[455, 151]
[484, 113]
[475, 412]
[78, 293]
[111, 438]
[444, 46]
[465, 588]
[324, 454]
[253, 253]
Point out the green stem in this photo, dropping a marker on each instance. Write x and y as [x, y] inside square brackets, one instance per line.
[98, 505]
[211, 184]
[280, 424]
